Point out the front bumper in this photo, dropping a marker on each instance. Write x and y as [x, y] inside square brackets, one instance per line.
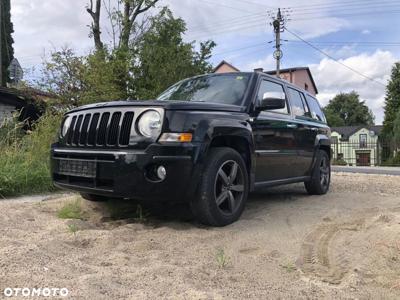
[123, 173]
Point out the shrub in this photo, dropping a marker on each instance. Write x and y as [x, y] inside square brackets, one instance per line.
[24, 160]
[339, 162]
[71, 210]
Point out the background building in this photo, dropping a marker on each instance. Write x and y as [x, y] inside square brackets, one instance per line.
[300, 76]
[357, 145]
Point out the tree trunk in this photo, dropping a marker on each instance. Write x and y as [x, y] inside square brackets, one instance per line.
[95, 27]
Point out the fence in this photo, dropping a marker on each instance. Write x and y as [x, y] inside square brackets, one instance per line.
[366, 153]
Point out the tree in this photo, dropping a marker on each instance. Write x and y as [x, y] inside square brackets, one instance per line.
[346, 109]
[392, 102]
[95, 26]
[124, 19]
[396, 129]
[164, 58]
[7, 51]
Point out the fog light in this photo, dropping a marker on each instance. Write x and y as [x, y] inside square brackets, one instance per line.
[161, 172]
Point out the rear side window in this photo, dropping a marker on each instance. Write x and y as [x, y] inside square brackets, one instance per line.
[297, 103]
[269, 86]
[316, 111]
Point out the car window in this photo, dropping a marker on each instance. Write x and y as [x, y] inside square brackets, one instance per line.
[269, 86]
[307, 110]
[316, 111]
[215, 88]
[297, 103]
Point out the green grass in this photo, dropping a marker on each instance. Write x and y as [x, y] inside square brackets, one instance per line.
[221, 258]
[73, 228]
[289, 267]
[71, 210]
[25, 159]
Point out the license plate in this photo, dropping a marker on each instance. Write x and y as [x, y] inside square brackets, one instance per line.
[79, 168]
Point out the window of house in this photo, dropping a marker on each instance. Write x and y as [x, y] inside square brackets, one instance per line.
[334, 140]
[363, 141]
[316, 111]
[297, 103]
[269, 86]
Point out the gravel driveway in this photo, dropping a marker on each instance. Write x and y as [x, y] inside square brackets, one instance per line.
[288, 245]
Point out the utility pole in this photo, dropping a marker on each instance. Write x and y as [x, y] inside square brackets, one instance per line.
[278, 23]
[1, 42]
[277, 30]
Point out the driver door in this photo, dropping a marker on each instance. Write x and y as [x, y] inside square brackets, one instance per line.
[274, 136]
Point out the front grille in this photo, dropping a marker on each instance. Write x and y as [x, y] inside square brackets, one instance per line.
[106, 129]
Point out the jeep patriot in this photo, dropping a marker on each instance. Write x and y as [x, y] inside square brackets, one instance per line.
[207, 140]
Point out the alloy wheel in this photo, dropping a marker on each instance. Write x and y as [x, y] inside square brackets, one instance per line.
[229, 187]
[324, 172]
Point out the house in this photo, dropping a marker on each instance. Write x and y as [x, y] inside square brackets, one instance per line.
[300, 76]
[225, 67]
[357, 145]
[13, 100]
[16, 72]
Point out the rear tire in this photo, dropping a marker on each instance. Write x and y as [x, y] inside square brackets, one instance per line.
[321, 175]
[94, 198]
[223, 188]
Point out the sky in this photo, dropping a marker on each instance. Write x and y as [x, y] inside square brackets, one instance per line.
[358, 40]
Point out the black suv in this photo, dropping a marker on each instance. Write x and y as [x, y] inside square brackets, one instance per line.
[208, 140]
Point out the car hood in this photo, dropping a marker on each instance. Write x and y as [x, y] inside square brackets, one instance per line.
[169, 105]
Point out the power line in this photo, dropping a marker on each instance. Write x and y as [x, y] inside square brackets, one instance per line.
[334, 59]
[341, 4]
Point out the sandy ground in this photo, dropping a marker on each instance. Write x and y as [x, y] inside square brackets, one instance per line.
[287, 245]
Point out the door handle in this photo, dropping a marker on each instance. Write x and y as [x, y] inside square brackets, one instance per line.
[314, 129]
[291, 125]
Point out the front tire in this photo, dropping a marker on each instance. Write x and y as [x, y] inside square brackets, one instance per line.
[223, 188]
[321, 175]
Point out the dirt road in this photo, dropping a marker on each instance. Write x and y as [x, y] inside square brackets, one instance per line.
[287, 245]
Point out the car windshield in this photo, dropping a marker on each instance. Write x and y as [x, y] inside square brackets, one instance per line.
[227, 89]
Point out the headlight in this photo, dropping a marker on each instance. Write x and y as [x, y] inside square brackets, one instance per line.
[66, 125]
[149, 124]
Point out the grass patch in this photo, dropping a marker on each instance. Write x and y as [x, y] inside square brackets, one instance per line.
[289, 267]
[221, 258]
[71, 210]
[25, 159]
[73, 228]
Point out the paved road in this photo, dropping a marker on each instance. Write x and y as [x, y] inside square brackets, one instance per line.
[368, 170]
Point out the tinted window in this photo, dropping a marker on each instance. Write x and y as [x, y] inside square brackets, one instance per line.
[227, 88]
[316, 111]
[296, 103]
[269, 86]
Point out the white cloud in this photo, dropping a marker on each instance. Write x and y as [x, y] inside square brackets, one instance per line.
[332, 78]
[267, 63]
[366, 31]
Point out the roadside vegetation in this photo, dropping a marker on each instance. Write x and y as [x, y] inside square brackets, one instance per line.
[71, 210]
[24, 159]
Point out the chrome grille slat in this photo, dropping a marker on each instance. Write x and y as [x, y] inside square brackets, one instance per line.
[102, 130]
[126, 128]
[113, 129]
[77, 130]
[84, 130]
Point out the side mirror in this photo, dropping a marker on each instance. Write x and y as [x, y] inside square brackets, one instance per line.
[272, 100]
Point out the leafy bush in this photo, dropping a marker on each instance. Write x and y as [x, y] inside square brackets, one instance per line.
[24, 160]
[339, 162]
[392, 161]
